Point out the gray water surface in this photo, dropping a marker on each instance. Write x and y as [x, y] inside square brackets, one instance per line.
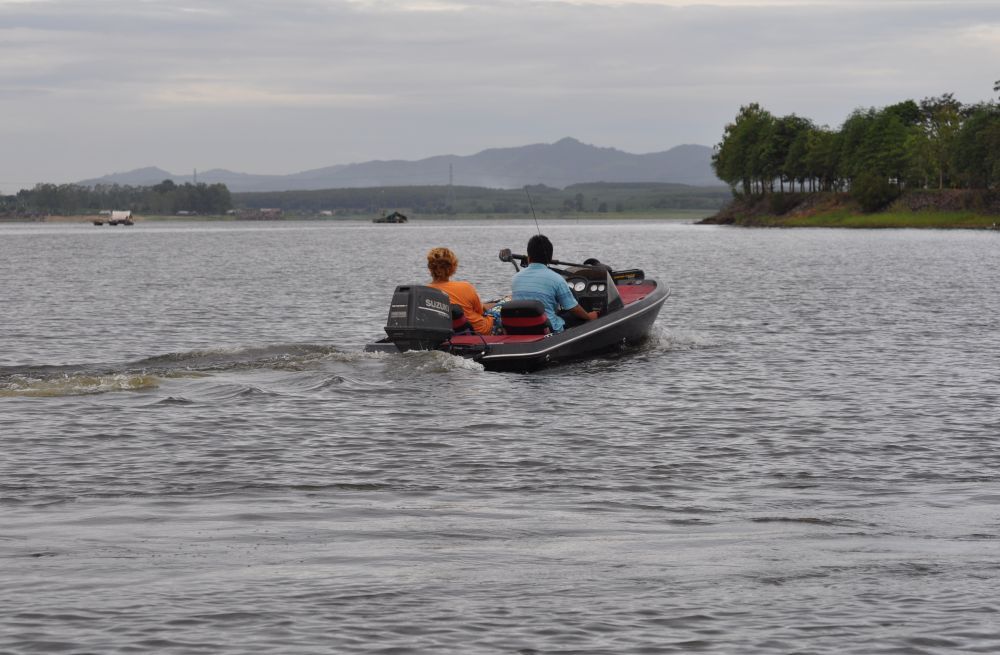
[197, 457]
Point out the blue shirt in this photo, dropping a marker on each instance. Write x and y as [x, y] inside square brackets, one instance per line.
[539, 282]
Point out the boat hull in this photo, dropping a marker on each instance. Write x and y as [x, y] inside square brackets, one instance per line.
[626, 326]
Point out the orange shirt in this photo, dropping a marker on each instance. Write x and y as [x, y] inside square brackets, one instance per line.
[465, 296]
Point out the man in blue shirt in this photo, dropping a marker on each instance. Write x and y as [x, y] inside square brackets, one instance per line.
[538, 282]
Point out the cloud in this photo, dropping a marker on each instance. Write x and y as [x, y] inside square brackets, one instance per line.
[215, 93]
[412, 5]
[319, 82]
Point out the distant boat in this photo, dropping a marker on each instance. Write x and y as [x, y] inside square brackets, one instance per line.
[120, 218]
[394, 217]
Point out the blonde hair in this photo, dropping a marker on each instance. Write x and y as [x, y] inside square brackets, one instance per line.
[441, 262]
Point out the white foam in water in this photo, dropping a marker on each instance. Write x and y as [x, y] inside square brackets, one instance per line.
[223, 357]
[355, 356]
[77, 385]
[454, 362]
[679, 339]
[422, 361]
[437, 361]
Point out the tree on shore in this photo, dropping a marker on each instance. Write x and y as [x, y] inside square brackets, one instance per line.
[977, 148]
[876, 152]
[164, 198]
[941, 122]
[742, 156]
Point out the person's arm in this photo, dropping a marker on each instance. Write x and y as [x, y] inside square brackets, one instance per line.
[568, 302]
[582, 314]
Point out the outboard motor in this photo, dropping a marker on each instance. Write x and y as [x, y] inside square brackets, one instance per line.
[419, 318]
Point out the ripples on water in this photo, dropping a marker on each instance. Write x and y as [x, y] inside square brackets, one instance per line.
[198, 458]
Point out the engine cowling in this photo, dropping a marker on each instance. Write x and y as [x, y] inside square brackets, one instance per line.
[419, 317]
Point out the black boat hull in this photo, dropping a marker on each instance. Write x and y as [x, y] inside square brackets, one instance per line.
[625, 326]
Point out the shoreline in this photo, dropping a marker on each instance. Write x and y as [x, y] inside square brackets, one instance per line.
[692, 215]
[928, 220]
[937, 210]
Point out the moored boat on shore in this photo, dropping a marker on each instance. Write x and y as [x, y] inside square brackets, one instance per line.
[394, 217]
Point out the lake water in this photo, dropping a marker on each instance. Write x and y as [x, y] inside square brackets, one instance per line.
[197, 457]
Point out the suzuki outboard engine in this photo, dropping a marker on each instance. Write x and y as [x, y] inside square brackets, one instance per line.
[419, 318]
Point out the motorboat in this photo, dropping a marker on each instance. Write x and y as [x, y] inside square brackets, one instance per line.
[627, 303]
[394, 217]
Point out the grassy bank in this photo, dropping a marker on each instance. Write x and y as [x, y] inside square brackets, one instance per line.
[917, 210]
[927, 219]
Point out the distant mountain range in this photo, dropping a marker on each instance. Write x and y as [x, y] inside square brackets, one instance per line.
[558, 164]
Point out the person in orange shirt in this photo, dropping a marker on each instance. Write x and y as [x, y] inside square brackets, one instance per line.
[442, 263]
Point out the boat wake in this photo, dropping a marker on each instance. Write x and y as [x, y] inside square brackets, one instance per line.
[289, 357]
[437, 362]
[74, 384]
[664, 338]
[148, 373]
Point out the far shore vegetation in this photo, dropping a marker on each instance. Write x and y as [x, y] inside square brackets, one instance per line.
[674, 215]
[933, 163]
[215, 202]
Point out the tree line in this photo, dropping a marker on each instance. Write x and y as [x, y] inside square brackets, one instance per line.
[876, 153]
[598, 197]
[168, 198]
[163, 198]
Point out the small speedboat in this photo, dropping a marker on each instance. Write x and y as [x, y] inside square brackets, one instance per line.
[422, 318]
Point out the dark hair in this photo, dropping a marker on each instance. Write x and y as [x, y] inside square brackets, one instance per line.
[540, 249]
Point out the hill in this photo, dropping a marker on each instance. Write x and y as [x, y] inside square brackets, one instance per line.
[558, 165]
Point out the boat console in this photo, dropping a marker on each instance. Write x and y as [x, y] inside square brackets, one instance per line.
[594, 284]
[593, 288]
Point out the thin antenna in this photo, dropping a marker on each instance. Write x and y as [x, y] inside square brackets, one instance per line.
[449, 200]
[532, 205]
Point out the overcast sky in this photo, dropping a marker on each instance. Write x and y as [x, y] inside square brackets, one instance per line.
[90, 87]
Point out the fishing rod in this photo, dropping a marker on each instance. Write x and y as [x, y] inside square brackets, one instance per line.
[507, 256]
[538, 230]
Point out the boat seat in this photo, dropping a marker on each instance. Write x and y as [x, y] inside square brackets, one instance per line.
[459, 322]
[524, 317]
